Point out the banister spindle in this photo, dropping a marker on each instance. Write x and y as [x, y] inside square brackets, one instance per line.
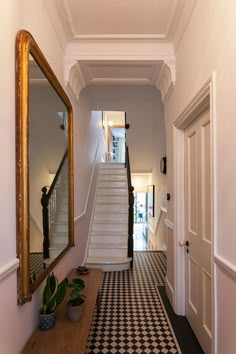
[46, 241]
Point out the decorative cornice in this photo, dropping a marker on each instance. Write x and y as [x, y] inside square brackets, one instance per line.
[73, 77]
[178, 26]
[59, 21]
[120, 49]
[7, 269]
[166, 80]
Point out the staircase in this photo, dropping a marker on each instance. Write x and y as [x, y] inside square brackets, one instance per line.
[59, 227]
[58, 213]
[108, 246]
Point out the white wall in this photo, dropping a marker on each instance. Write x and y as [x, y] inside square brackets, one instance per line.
[146, 136]
[209, 44]
[32, 15]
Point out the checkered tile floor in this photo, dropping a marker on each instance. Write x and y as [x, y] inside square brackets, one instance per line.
[132, 317]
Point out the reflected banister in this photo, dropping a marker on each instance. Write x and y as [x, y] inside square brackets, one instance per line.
[48, 202]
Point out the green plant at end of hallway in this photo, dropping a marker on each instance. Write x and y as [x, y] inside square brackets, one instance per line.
[53, 294]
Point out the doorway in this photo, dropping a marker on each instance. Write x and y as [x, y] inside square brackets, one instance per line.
[140, 221]
[198, 142]
[198, 229]
[114, 123]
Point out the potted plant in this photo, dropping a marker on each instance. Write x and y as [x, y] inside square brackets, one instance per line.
[52, 296]
[75, 306]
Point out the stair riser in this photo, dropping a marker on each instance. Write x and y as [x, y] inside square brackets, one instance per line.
[109, 239]
[109, 171]
[113, 192]
[60, 228]
[61, 218]
[59, 240]
[111, 208]
[110, 227]
[54, 252]
[112, 184]
[112, 199]
[111, 217]
[109, 177]
[62, 209]
[96, 252]
[112, 165]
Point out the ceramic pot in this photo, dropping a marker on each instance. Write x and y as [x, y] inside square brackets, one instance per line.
[47, 322]
[75, 313]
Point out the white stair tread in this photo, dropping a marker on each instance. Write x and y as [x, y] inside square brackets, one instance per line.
[57, 246]
[112, 191]
[107, 260]
[111, 209]
[115, 222]
[112, 165]
[112, 178]
[108, 245]
[109, 233]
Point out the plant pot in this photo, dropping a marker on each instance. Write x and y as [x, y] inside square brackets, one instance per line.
[47, 322]
[75, 313]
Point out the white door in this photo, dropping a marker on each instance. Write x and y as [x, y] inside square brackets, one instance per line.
[198, 229]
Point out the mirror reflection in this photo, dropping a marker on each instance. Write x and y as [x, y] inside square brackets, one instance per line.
[48, 172]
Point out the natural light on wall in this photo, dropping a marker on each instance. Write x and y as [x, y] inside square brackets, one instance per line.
[140, 181]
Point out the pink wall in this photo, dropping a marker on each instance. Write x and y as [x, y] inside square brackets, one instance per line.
[32, 15]
[209, 44]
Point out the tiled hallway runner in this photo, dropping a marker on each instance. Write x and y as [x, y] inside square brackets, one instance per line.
[132, 318]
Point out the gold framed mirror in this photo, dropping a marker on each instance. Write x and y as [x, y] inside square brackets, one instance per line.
[44, 167]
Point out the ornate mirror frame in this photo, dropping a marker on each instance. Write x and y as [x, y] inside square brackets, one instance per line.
[26, 45]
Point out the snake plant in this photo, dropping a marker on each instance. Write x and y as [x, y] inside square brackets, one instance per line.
[53, 294]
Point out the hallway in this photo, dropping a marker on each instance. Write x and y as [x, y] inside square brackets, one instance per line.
[133, 318]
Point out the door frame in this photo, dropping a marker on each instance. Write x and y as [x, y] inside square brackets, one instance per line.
[204, 99]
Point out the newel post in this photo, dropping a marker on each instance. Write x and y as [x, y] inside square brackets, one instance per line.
[46, 241]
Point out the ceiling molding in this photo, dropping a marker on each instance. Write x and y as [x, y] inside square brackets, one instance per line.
[179, 26]
[59, 21]
[119, 49]
[166, 80]
[114, 37]
[74, 80]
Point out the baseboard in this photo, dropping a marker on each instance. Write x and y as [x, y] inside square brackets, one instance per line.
[7, 269]
[170, 292]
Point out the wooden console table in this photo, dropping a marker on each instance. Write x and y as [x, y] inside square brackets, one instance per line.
[68, 337]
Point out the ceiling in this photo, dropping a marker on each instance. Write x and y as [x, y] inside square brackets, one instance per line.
[120, 41]
[121, 17]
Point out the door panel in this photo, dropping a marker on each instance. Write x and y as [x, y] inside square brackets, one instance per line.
[192, 186]
[198, 229]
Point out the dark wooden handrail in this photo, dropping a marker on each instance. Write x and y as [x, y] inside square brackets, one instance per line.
[57, 174]
[44, 202]
[131, 207]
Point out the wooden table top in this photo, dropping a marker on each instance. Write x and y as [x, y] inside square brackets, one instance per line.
[68, 337]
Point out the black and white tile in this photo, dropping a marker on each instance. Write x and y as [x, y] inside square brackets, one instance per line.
[132, 318]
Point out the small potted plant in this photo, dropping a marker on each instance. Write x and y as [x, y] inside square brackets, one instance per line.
[52, 296]
[75, 306]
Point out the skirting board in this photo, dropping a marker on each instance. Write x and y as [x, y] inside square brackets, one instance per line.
[7, 269]
[170, 292]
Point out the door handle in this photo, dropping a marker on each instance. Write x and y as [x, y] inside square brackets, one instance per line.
[184, 243]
